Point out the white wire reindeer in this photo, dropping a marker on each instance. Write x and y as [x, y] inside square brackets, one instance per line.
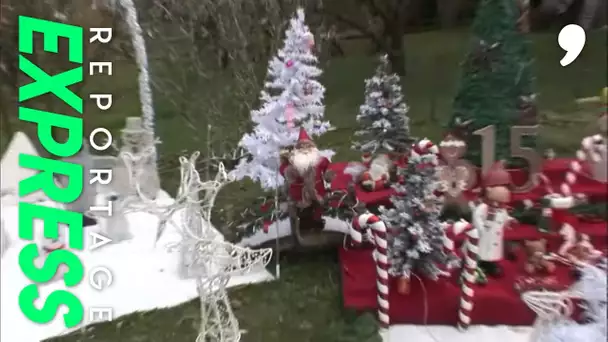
[212, 261]
[216, 262]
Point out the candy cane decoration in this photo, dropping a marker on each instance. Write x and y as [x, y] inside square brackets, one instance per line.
[593, 151]
[540, 179]
[555, 208]
[547, 210]
[553, 205]
[361, 225]
[452, 230]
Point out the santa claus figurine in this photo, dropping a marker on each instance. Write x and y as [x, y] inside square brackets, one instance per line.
[305, 170]
[491, 217]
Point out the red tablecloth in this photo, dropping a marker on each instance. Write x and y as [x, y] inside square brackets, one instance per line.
[554, 169]
[495, 303]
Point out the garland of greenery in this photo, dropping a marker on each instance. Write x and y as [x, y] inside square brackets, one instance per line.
[589, 211]
[262, 214]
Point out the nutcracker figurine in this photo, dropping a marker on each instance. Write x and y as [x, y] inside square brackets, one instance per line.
[491, 217]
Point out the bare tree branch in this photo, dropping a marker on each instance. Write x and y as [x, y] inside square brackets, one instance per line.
[363, 29]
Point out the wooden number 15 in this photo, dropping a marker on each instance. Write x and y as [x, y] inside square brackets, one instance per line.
[488, 136]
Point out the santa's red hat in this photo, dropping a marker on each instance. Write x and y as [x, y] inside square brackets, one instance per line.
[303, 136]
[497, 176]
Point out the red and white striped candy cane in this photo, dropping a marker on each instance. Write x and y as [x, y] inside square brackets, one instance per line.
[544, 181]
[360, 226]
[556, 201]
[554, 211]
[591, 152]
[452, 230]
[540, 179]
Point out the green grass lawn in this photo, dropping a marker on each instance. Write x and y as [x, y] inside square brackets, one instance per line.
[305, 304]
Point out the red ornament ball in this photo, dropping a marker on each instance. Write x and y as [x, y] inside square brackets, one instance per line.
[289, 63]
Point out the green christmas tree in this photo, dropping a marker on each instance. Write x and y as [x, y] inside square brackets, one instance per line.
[497, 86]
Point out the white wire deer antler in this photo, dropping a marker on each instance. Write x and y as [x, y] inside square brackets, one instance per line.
[187, 194]
[555, 308]
[549, 305]
[226, 259]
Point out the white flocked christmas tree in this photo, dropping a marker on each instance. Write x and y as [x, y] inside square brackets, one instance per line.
[383, 121]
[292, 98]
[416, 245]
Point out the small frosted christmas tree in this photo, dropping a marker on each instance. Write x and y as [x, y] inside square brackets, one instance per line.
[292, 98]
[417, 244]
[383, 120]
